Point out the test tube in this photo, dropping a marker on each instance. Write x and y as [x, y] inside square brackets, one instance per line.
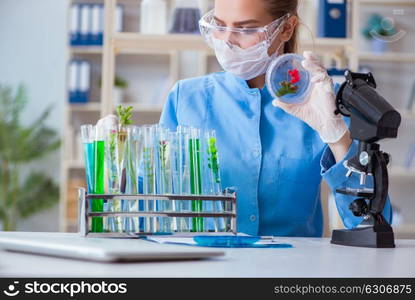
[183, 134]
[114, 171]
[163, 175]
[132, 159]
[97, 205]
[196, 176]
[212, 183]
[149, 182]
[88, 136]
[175, 174]
[121, 148]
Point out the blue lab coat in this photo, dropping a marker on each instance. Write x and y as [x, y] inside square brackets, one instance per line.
[275, 160]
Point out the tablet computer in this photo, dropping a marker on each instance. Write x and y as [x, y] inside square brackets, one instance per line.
[99, 249]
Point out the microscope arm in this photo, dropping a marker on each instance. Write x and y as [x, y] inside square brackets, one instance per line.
[381, 185]
[370, 202]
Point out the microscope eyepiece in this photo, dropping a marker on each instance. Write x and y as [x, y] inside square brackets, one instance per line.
[373, 118]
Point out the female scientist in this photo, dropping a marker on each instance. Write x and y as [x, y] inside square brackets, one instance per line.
[275, 154]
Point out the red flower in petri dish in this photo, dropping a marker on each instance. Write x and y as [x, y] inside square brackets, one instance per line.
[289, 86]
[295, 76]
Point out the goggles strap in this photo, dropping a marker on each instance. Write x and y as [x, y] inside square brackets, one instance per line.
[278, 29]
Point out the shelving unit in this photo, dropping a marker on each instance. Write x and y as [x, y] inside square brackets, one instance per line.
[387, 57]
[169, 47]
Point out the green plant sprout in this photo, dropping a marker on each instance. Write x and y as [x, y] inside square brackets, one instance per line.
[112, 153]
[164, 150]
[124, 119]
[213, 158]
[124, 115]
[148, 159]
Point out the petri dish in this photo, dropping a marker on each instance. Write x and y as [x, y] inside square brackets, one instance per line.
[287, 80]
[225, 241]
[235, 242]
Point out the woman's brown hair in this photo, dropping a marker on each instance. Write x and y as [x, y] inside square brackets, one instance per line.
[279, 8]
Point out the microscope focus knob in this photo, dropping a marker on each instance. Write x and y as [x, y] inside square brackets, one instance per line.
[386, 156]
[359, 207]
[364, 158]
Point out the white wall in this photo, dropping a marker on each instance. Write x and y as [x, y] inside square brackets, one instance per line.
[33, 51]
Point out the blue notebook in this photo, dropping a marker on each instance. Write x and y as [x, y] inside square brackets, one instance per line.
[332, 19]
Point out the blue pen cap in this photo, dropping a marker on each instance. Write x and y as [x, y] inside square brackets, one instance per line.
[287, 80]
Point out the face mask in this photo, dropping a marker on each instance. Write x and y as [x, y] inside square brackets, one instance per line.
[244, 63]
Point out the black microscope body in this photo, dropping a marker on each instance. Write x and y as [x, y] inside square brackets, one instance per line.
[372, 119]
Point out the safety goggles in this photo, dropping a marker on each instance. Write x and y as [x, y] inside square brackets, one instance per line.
[238, 36]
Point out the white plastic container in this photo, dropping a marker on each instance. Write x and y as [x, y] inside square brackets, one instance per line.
[153, 17]
[186, 16]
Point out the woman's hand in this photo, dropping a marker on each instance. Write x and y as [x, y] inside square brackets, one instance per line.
[109, 121]
[318, 110]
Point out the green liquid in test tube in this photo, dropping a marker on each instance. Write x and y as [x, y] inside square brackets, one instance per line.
[98, 204]
[196, 177]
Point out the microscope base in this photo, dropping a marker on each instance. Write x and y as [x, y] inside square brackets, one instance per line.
[377, 236]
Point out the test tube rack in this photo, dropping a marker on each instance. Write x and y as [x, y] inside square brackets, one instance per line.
[86, 215]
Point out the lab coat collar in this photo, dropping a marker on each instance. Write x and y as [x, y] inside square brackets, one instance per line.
[242, 85]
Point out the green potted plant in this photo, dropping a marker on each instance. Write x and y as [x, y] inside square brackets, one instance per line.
[120, 86]
[378, 31]
[23, 192]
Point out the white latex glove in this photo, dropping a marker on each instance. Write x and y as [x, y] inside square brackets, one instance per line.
[107, 122]
[318, 109]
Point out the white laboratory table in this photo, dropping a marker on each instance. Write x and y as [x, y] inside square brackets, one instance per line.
[310, 257]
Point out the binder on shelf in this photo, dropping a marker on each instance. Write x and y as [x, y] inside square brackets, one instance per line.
[100, 41]
[119, 20]
[332, 20]
[79, 81]
[84, 81]
[73, 82]
[75, 25]
[85, 24]
[95, 24]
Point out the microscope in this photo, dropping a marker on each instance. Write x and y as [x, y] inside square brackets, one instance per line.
[372, 119]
